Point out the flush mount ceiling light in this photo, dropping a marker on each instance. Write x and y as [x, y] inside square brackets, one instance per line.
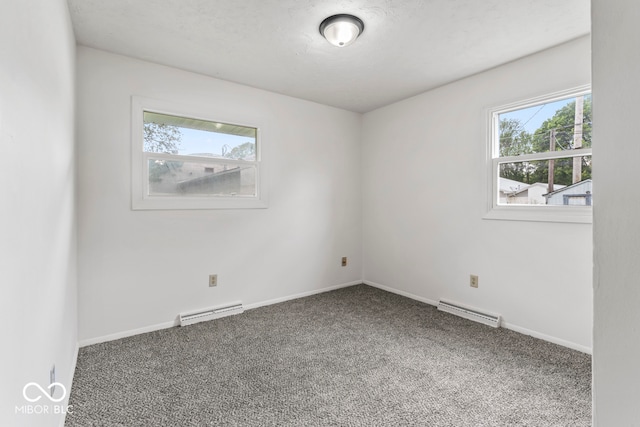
[341, 30]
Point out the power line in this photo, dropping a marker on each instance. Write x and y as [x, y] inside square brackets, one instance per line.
[534, 114]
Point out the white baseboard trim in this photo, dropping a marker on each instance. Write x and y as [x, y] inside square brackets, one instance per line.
[166, 325]
[545, 337]
[301, 295]
[504, 324]
[129, 333]
[399, 292]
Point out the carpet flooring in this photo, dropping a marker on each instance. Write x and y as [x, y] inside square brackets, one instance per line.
[357, 356]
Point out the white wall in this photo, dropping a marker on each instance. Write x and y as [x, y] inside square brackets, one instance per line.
[37, 211]
[139, 269]
[616, 225]
[424, 192]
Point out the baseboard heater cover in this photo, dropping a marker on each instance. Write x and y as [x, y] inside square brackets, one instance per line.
[468, 313]
[210, 314]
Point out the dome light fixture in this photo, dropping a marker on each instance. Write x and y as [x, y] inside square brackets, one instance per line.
[341, 30]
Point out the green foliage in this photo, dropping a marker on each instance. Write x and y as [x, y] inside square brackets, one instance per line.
[563, 123]
[515, 141]
[246, 151]
[161, 138]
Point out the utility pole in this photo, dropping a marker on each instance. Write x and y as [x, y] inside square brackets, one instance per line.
[577, 139]
[552, 162]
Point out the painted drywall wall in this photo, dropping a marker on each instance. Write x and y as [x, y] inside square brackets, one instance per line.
[139, 269]
[616, 68]
[424, 196]
[37, 211]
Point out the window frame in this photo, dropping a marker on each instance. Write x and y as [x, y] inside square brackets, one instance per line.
[545, 213]
[140, 197]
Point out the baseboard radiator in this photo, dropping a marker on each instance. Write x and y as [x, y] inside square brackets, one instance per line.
[210, 314]
[468, 313]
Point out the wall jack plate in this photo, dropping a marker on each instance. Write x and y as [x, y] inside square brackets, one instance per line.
[473, 281]
[213, 280]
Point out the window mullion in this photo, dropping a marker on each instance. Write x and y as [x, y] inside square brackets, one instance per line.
[198, 159]
[545, 156]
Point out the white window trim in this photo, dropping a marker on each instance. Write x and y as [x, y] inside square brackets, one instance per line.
[570, 214]
[140, 199]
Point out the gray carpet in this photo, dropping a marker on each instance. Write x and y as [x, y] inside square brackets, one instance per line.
[358, 356]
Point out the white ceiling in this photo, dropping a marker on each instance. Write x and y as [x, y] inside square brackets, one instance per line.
[407, 47]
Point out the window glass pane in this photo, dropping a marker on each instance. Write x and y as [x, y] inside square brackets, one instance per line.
[564, 181]
[551, 126]
[193, 137]
[176, 178]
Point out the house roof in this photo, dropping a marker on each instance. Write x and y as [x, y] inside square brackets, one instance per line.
[511, 186]
[569, 187]
[516, 187]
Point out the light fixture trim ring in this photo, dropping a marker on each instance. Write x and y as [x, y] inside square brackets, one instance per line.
[342, 17]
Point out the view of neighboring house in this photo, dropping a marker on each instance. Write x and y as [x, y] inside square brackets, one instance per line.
[578, 194]
[174, 177]
[515, 192]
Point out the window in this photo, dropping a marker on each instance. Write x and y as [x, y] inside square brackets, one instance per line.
[540, 159]
[186, 161]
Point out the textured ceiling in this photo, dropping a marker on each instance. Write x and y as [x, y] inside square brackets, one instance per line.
[408, 46]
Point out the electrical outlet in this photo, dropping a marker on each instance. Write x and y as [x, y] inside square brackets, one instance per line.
[213, 280]
[473, 281]
[52, 379]
[344, 261]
